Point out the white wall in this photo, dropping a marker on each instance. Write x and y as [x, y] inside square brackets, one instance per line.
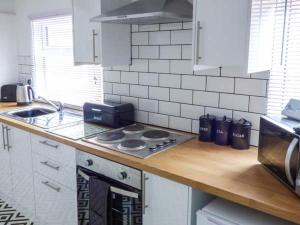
[35, 8]
[7, 6]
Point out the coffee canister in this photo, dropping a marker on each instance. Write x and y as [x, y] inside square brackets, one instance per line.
[206, 127]
[241, 133]
[222, 130]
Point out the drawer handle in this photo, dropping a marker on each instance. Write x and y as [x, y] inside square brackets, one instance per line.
[46, 163]
[52, 186]
[48, 144]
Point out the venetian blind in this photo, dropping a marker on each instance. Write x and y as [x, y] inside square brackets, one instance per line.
[55, 76]
[285, 74]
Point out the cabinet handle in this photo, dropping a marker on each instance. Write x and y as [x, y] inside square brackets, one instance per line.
[217, 222]
[46, 163]
[48, 144]
[52, 186]
[3, 136]
[7, 139]
[199, 28]
[95, 34]
[144, 206]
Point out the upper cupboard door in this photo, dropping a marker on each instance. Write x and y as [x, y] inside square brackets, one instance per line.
[221, 33]
[85, 33]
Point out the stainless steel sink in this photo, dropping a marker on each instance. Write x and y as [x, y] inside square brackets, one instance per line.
[34, 112]
[43, 117]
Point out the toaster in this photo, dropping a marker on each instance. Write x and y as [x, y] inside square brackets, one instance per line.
[109, 114]
[9, 93]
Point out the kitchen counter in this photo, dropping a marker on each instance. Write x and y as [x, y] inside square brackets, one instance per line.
[222, 171]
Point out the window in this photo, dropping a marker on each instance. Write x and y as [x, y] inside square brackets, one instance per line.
[285, 74]
[55, 76]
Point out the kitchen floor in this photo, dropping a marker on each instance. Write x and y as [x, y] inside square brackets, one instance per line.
[10, 216]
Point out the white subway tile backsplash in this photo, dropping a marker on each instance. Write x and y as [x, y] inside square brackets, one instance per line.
[134, 28]
[252, 117]
[181, 66]
[265, 75]
[140, 38]
[220, 84]
[191, 111]
[149, 52]
[139, 91]
[208, 72]
[258, 104]
[141, 116]
[195, 126]
[187, 25]
[112, 76]
[193, 82]
[130, 77]
[132, 100]
[159, 93]
[159, 66]
[150, 79]
[254, 137]
[171, 26]
[139, 65]
[113, 98]
[170, 52]
[158, 119]
[181, 96]
[236, 102]
[206, 98]
[251, 87]
[107, 88]
[159, 38]
[135, 52]
[169, 108]
[181, 37]
[170, 80]
[121, 68]
[121, 89]
[151, 27]
[187, 52]
[218, 112]
[179, 123]
[148, 105]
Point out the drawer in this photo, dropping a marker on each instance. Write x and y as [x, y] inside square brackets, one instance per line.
[55, 204]
[53, 150]
[56, 171]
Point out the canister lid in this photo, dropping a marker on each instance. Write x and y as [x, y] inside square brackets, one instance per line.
[207, 117]
[242, 123]
[224, 119]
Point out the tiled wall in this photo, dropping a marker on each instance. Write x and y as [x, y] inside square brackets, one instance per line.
[166, 92]
[24, 68]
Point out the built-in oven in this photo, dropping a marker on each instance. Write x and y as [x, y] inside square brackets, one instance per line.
[279, 150]
[108, 193]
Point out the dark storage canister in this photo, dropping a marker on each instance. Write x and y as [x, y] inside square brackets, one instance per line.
[206, 127]
[241, 133]
[222, 130]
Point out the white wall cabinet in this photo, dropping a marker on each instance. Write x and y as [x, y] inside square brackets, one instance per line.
[221, 35]
[96, 43]
[5, 168]
[168, 202]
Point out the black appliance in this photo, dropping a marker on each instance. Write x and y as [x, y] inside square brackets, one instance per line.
[222, 130]
[109, 114]
[108, 193]
[241, 133]
[206, 128]
[9, 93]
[279, 150]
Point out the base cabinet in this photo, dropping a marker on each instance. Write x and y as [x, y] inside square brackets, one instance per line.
[170, 203]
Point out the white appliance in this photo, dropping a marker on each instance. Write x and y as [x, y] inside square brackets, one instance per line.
[222, 212]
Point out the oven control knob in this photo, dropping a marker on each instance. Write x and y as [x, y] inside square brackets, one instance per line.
[89, 162]
[122, 175]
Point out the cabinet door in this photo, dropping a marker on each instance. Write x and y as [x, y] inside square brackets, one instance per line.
[21, 167]
[55, 204]
[86, 34]
[5, 171]
[221, 33]
[167, 202]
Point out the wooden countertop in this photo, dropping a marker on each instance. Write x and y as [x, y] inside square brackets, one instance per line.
[222, 171]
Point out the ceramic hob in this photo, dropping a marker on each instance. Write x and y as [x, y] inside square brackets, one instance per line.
[139, 140]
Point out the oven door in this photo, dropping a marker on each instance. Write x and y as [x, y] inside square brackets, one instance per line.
[124, 203]
[279, 151]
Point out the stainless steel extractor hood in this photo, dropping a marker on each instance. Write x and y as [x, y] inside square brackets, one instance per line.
[149, 12]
